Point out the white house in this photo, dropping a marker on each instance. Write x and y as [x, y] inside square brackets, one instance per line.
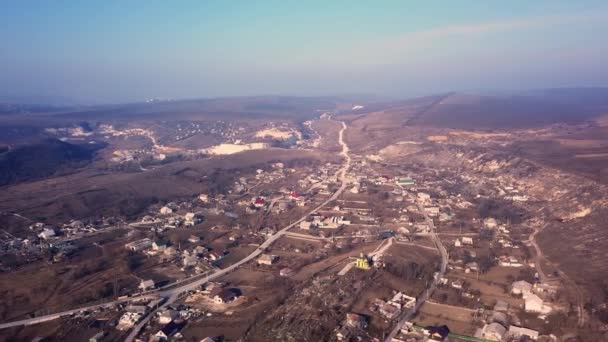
[490, 223]
[517, 333]
[192, 219]
[167, 316]
[47, 233]
[521, 287]
[166, 210]
[127, 320]
[146, 285]
[493, 332]
[533, 303]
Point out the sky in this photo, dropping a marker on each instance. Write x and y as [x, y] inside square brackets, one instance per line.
[125, 51]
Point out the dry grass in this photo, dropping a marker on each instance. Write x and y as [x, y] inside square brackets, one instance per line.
[458, 319]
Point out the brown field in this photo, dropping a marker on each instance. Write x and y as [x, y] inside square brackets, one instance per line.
[458, 319]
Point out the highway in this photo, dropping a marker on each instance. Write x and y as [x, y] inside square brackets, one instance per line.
[429, 291]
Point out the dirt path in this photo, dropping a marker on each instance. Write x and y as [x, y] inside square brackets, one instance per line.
[539, 258]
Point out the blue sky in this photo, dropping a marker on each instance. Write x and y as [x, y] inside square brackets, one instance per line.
[117, 51]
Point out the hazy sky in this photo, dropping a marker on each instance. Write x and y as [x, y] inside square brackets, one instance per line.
[116, 51]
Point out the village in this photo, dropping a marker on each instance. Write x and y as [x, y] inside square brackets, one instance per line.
[492, 289]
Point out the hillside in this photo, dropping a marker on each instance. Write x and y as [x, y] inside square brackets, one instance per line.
[475, 111]
[43, 159]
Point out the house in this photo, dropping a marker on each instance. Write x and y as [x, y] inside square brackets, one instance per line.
[457, 243]
[159, 245]
[225, 296]
[511, 261]
[165, 210]
[148, 219]
[545, 290]
[493, 332]
[490, 223]
[267, 259]
[200, 250]
[127, 320]
[467, 240]
[139, 245]
[390, 311]
[356, 321]
[519, 333]
[167, 316]
[212, 339]
[194, 239]
[259, 202]
[533, 303]
[203, 198]
[457, 284]
[521, 287]
[145, 285]
[47, 233]
[500, 317]
[213, 256]
[168, 331]
[190, 260]
[192, 219]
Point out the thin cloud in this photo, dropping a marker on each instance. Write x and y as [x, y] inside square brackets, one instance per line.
[379, 52]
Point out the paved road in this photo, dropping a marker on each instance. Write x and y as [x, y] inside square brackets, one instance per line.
[174, 293]
[51, 317]
[429, 291]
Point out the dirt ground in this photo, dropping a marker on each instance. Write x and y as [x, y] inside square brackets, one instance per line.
[458, 319]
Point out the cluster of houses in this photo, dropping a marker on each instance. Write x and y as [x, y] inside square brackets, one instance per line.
[321, 179]
[199, 258]
[497, 326]
[533, 295]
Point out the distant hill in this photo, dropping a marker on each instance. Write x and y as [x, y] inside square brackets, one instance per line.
[254, 107]
[43, 159]
[522, 110]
